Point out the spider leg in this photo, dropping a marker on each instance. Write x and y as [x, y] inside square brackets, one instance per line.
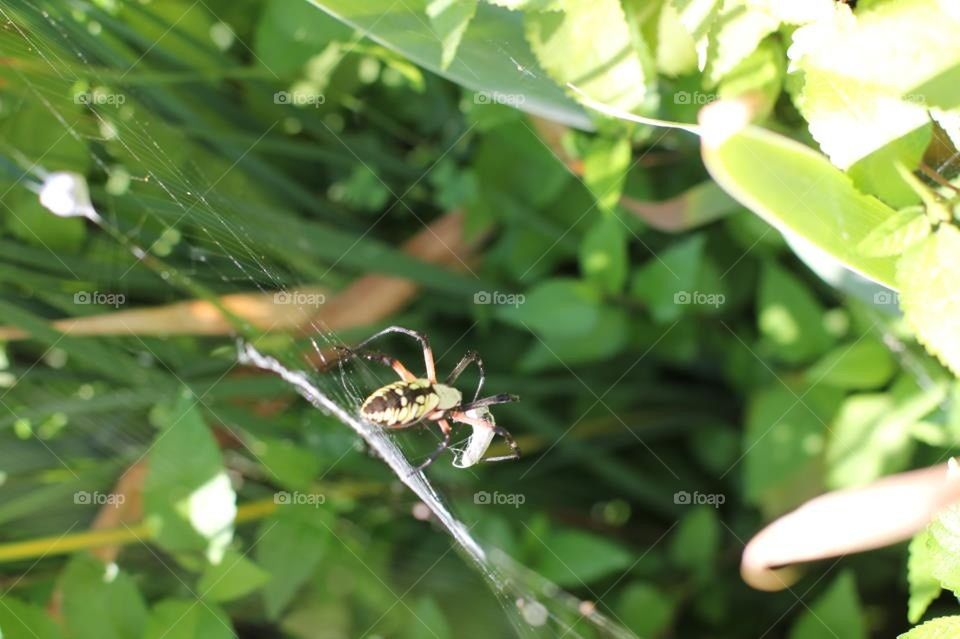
[460, 416]
[468, 358]
[420, 337]
[503, 398]
[446, 430]
[386, 360]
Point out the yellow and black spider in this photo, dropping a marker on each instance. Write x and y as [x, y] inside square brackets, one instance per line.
[417, 399]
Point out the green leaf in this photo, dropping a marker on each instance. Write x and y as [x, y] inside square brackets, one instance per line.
[288, 34]
[427, 621]
[290, 546]
[667, 281]
[188, 619]
[835, 613]
[605, 166]
[863, 445]
[576, 303]
[574, 558]
[100, 602]
[191, 505]
[939, 628]
[797, 190]
[646, 609]
[789, 317]
[450, 19]
[603, 254]
[784, 443]
[861, 365]
[878, 173]
[924, 586]
[944, 547]
[19, 620]
[589, 45]
[896, 234]
[927, 276]
[232, 578]
[760, 74]
[696, 541]
[607, 338]
[510, 69]
[290, 465]
[734, 34]
[31, 222]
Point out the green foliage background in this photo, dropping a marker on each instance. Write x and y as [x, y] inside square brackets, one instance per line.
[732, 352]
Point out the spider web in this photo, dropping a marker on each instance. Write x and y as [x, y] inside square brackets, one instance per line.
[185, 214]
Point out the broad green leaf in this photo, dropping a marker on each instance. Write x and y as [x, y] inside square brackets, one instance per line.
[878, 173]
[835, 613]
[797, 190]
[450, 19]
[645, 609]
[939, 628]
[862, 445]
[506, 70]
[589, 45]
[759, 75]
[608, 336]
[289, 464]
[862, 365]
[695, 542]
[574, 558]
[188, 619]
[667, 281]
[927, 276]
[676, 48]
[19, 620]
[896, 234]
[100, 601]
[291, 544]
[924, 586]
[789, 317]
[603, 254]
[191, 505]
[427, 621]
[559, 307]
[288, 34]
[233, 577]
[605, 166]
[784, 443]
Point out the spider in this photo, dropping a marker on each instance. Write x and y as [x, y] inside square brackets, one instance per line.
[414, 400]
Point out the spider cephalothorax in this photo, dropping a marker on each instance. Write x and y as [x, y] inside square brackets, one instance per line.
[417, 399]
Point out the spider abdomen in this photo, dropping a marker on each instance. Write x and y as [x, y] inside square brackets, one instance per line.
[401, 403]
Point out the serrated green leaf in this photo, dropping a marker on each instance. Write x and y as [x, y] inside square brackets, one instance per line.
[233, 577]
[590, 46]
[603, 254]
[896, 234]
[944, 546]
[797, 190]
[100, 602]
[450, 19]
[735, 34]
[924, 586]
[835, 613]
[939, 628]
[927, 277]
